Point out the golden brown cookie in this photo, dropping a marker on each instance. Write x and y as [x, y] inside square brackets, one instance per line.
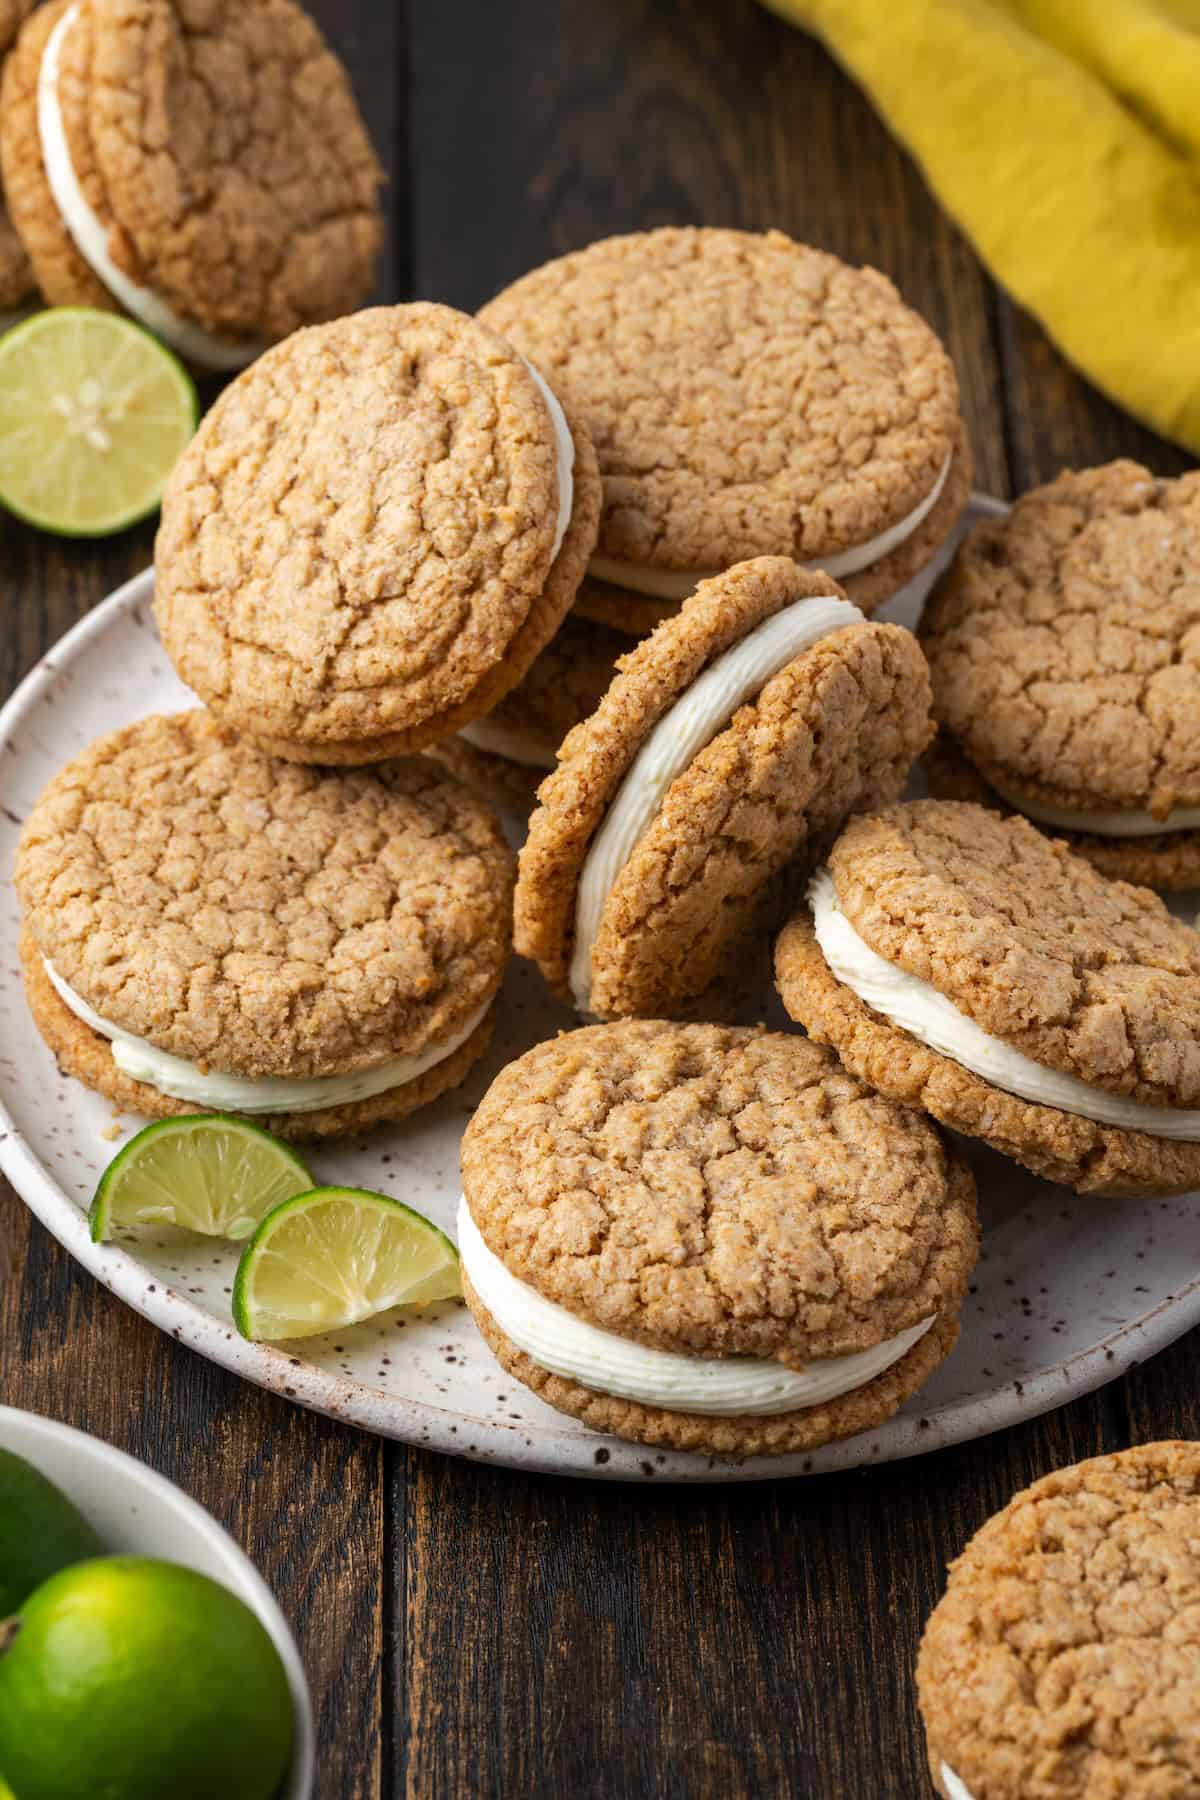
[764, 779]
[747, 396]
[195, 911]
[965, 963]
[16, 276]
[710, 1238]
[1064, 645]
[1063, 1661]
[372, 535]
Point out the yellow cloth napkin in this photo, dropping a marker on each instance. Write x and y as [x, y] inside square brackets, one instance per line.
[1064, 136]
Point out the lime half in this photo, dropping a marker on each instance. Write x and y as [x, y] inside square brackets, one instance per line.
[93, 416]
[337, 1255]
[209, 1173]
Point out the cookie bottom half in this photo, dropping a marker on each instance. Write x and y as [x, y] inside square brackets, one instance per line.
[1076, 1152]
[86, 1056]
[493, 778]
[777, 1434]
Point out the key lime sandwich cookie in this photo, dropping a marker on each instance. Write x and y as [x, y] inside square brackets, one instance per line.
[747, 396]
[962, 962]
[206, 170]
[210, 929]
[711, 1239]
[731, 746]
[1063, 1660]
[16, 275]
[373, 534]
[1064, 645]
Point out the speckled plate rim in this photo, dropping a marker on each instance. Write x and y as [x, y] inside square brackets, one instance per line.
[435, 1427]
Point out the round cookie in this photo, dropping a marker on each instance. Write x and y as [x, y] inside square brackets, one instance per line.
[207, 928]
[964, 963]
[732, 1198]
[747, 396]
[1064, 646]
[16, 275]
[639, 917]
[372, 535]
[46, 250]
[1063, 1661]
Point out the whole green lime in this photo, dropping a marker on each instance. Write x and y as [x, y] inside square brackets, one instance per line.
[40, 1532]
[130, 1679]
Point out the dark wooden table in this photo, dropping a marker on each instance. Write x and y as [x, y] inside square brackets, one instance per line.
[471, 1632]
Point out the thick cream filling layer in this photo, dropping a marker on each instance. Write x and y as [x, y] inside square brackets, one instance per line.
[918, 1008]
[91, 239]
[724, 1387]
[955, 1789]
[182, 1080]
[564, 457]
[694, 720]
[1117, 824]
[502, 740]
[677, 584]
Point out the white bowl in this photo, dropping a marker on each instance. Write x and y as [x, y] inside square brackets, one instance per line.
[133, 1509]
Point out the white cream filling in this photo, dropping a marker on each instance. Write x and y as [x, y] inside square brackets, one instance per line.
[918, 1008]
[955, 1789]
[514, 746]
[1133, 824]
[182, 1080]
[677, 584]
[91, 239]
[564, 454]
[724, 1386]
[695, 719]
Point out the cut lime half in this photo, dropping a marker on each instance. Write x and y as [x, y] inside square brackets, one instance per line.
[209, 1173]
[93, 416]
[335, 1256]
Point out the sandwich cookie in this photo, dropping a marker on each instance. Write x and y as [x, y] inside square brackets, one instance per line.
[1064, 645]
[733, 744]
[747, 396]
[205, 170]
[507, 754]
[962, 962]
[16, 275]
[711, 1239]
[1063, 1661]
[374, 532]
[209, 929]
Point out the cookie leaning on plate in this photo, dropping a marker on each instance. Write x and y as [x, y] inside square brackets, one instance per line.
[1064, 648]
[374, 532]
[1063, 1660]
[711, 1239]
[964, 963]
[209, 929]
[204, 168]
[747, 396]
[732, 744]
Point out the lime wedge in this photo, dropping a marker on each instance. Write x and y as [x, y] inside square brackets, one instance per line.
[209, 1173]
[93, 415]
[337, 1255]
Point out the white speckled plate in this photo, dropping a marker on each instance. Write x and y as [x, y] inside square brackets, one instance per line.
[1069, 1291]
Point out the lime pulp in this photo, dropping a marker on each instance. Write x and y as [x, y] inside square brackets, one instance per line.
[209, 1172]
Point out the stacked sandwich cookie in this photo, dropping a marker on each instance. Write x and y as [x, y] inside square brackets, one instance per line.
[962, 962]
[711, 1239]
[1064, 647]
[16, 275]
[210, 929]
[205, 169]
[747, 396]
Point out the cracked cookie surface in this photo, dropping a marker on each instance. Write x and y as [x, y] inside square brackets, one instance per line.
[718, 1191]
[1064, 643]
[747, 395]
[1088, 976]
[1063, 1662]
[262, 917]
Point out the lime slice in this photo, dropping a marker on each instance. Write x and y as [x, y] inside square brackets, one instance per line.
[209, 1173]
[93, 415]
[337, 1255]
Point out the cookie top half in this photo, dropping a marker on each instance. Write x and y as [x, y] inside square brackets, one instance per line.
[1063, 1661]
[1064, 644]
[725, 1192]
[1086, 976]
[373, 533]
[747, 395]
[261, 917]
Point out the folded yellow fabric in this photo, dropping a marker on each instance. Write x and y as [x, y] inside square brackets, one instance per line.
[1064, 136]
